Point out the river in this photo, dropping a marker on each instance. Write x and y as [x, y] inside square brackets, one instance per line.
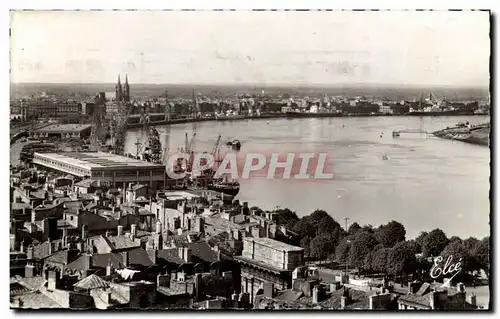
[425, 183]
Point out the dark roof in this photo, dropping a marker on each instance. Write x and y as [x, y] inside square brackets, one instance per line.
[171, 256]
[87, 183]
[92, 282]
[202, 251]
[64, 256]
[42, 250]
[179, 240]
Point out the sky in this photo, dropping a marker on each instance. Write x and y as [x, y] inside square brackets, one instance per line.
[244, 47]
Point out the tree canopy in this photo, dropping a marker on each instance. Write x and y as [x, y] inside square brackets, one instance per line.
[390, 234]
[434, 243]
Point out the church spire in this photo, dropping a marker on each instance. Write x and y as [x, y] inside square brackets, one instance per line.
[126, 90]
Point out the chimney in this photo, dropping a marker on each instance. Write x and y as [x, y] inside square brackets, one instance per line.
[65, 237]
[52, 281]
[120, 230]
[29, 253]
[109, 269]
[88, 261]
[253, 249]
[433, 298]
[158, 227]
[472, 299]
[21, 249]
[125, 258]
[50, 246]
[29, 270]
[107, 234]
[133, 231]
[84, 232]
[343, 302]
[315, 295]
[460, 287]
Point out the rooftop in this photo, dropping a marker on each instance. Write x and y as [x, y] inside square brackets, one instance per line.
[274, 244]
[93, 160]
[64, 128]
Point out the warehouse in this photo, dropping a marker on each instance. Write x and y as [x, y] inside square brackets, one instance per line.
[114, 170]
[64, 131]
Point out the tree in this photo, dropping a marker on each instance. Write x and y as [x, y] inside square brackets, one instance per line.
[434, 243]
[304, 228]
[471, 244]
[305, 243]
[420, 240]
[456, 238]
[482, 254]
[353, 229]
[458, 253]
[322, 246]
[379, 261]
[390, 234]
[286, 217]
[368, 261]
[362, 244]
[328, 225]
[342, 251]
[401, 259]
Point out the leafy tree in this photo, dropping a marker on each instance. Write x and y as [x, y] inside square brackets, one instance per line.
[362, 244]
[456, 238]
[390, 234]
[368, 261]
[304, 228]
[328, 225]
[342, 251]
[368, 229]
[420, 240]
[434, 243]
[379, 260]
[305, 243]
[482, 254]
[286, 218]
[458, 253]
[353, 229]
[322, 246]
[471, 244]
[401, 259]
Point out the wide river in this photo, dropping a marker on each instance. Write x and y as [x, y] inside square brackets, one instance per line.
[424, 183]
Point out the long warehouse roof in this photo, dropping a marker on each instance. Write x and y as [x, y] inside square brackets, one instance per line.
[94, 160]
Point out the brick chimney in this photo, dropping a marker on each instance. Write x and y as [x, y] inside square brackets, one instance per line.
[472, 299]
[29, 252]
[84, 232]
[133, 231]
[125, 258]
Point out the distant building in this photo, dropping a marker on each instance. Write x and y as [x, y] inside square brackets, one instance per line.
[267, 261]
[64, 131]
[107, 168]
[385, 109]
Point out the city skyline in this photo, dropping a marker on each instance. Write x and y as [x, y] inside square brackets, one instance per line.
[448, 49]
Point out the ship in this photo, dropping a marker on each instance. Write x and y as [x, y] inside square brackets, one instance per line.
[231, 188]
[295, 114]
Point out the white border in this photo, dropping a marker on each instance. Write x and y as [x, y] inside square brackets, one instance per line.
[213, 4]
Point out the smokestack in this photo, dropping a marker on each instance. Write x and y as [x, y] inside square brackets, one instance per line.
[158, 227]
[84, 232]
[133, 231]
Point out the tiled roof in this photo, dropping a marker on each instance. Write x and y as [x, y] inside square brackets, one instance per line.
[87, 183]
[42, 250]
[202, 251]
[120, 242]
[92, 282]
[139, 257]
[179, 240]
[422, 300]
[170, 256]
[35, 300]
[64, 256]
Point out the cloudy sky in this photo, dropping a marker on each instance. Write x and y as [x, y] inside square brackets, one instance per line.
[340, 47]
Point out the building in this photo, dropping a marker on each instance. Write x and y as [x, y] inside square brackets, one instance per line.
[385, 109]
[64, 131]
[427, 296]
[47, 108]
[122, 92]
[267, 261]
[107, 168]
